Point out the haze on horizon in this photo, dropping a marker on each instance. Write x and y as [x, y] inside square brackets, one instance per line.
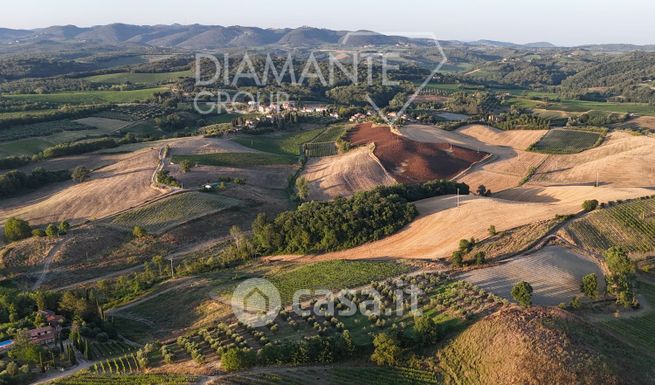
[560, 22]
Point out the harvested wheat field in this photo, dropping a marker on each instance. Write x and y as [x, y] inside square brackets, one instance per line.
[409, 161]
[343, 175]
[639, 123]
[507, 166]
[554, 272]
[114, 188]
[622, 160]
[440, 226]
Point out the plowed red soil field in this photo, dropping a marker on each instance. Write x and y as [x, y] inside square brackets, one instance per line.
[409, 161]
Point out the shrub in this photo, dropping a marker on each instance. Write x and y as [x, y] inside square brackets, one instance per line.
[238, 359]
[522, 293]
[589, 285]
[80, 174]
[51, 231]
[457, 258]
[17, 229]
[386, 350]
[139, 232]
[589, 205]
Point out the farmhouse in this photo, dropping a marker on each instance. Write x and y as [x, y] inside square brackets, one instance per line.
[43, 336]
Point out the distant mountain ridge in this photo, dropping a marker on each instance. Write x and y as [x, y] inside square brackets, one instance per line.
[195, 36]
[198, 36]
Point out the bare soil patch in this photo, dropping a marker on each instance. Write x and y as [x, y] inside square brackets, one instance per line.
[410, 161]
[509, 163]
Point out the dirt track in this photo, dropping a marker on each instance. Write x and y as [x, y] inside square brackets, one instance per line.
[343, 175]
[410, 161]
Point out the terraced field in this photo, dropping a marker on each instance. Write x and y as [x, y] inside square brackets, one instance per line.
[564, 141]
[630, 225]
[175, 210]
[335, 376]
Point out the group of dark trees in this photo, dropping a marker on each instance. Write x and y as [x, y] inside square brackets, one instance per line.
[15, 182]
[345, 222]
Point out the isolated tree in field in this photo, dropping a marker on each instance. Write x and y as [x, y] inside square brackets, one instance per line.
[589, 205]
[302, 188]
[17, 229]
[139, 232]
[589, 285]
[80, 174]
[522, 293]
[386, 350]
[482, 190]
[185, 165]
[492, 230]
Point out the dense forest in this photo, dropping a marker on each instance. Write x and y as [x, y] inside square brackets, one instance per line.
[345, 222]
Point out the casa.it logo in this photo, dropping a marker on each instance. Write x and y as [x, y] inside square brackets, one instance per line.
[256, 302]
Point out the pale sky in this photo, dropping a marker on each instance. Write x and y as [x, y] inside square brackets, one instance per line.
[562, 22]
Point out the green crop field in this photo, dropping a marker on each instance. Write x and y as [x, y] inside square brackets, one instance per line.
[131, 379]
[87, 97]
[315, 150]
[336, 376]
[41, 129]
[570, 105]
[174, 210]
[287, 143]
[59, 133]
[630, 225]
[639, 330]
[236, 159]
[333, 275]
[139, 78]
[562, 141]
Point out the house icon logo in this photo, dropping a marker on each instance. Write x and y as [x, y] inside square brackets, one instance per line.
[256, 302]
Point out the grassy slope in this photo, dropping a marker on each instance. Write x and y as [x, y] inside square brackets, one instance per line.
[287, 144]
[639, 330]
[333, 275]
[566, 141]
[540, 346]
